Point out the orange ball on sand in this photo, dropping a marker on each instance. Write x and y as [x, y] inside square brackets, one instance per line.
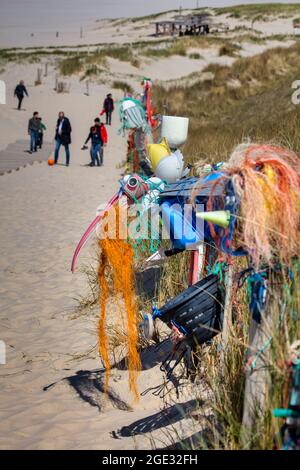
[50, 161]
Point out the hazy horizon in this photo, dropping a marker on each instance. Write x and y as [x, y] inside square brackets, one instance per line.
[44, 13]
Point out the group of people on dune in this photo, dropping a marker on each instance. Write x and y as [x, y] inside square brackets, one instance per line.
[97, 133]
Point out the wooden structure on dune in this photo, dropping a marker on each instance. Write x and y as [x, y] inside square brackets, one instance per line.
[191, 25]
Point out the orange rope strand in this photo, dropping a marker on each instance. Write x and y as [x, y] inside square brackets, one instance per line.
[119, 256]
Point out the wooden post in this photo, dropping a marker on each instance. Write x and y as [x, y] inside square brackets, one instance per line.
[227, 318]
[87, 88]
[46, 70]
[257, 380]
[38, 80]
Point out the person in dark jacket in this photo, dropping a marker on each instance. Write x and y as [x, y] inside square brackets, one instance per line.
[108, 108]
[20, 92]
[33, 131]
[98, 137]
[62, 136]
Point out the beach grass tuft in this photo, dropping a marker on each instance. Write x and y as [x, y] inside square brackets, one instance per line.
[124, 86]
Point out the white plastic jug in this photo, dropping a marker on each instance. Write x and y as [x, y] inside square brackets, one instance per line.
[175, 130]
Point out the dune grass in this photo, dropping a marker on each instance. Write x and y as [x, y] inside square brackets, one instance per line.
[226, 378]
[230, 49]
[28, 56]
[121, 85]
[71, 66]
[195, 56]
[75, 64]
[175, 48]
[152, 17]
[79, 62]
[250, 11]
[221, 116]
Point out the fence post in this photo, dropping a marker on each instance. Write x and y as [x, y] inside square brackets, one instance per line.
[258, 378]
[227, 318]
[39, 74]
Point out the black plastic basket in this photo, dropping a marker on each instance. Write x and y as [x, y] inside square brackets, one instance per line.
[197, 312]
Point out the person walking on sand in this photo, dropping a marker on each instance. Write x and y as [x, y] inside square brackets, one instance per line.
[42, 128]
[33, 131]
[108, 108]
[98, 137]
[62, 137]
[20, 92]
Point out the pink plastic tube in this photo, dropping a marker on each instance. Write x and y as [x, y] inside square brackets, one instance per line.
[91, 229]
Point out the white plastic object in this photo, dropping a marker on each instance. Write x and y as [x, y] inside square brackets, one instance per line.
[148, 326]
[126, 178]
[156, 185]
[180, 159]
[170, 168]
[155, 259]
[128, 104]
[175, 130]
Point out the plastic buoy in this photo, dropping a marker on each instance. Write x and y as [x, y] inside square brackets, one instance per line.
[158, 151]
[170, 168]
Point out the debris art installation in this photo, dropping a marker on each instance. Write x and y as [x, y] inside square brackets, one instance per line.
[246, 207]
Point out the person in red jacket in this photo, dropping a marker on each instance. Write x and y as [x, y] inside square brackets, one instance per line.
[98, 137]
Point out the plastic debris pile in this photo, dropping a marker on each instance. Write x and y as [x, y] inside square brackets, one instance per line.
[245, 208]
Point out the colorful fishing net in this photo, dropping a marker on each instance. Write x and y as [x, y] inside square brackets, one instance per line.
[132, 115]
[266, 180]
